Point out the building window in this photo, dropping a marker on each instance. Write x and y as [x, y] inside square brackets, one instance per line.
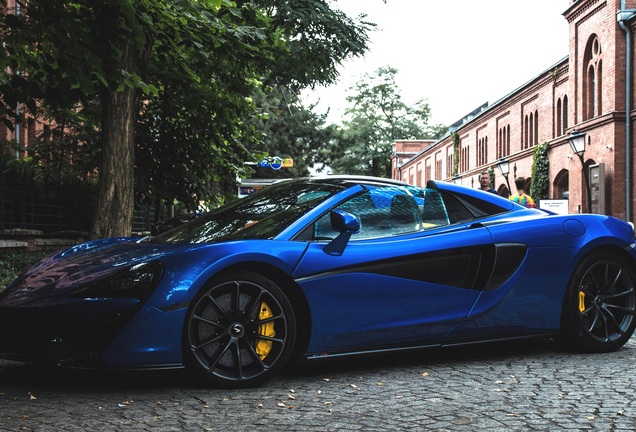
[428, 175]
[503, 147]
[449, 161]
[464, 155]
[565, 113]
[559, 131]
[536, 128]
[561, 186]
[438, 166]
[592, 85]
[482, 151]
[507, 147]
[591, 91]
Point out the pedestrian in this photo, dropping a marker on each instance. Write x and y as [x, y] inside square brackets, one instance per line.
[484, 183]
[521, 197]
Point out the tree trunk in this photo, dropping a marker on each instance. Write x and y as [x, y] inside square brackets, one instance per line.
[115, 202]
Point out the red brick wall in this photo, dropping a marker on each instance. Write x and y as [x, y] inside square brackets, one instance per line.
[588, 20]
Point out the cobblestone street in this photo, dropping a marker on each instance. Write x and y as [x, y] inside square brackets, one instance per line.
[513, 386]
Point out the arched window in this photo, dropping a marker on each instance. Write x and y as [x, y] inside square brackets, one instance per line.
[536, 127]
[591, 92]
[565, 113]
[592, 85]
[531, 131]
[561, 185]
[508, 141]
[559, 131]
[500, 143]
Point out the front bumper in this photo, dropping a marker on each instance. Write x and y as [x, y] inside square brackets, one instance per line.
[74, 333]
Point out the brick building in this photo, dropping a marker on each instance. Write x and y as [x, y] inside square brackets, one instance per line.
[24, 133]
[589, 91]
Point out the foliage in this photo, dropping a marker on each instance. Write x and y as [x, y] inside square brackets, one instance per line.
[376, 118]
[12, 264]
[290, 130]
[540, 172]
[456, 153]
[196, 64]
[491, 175]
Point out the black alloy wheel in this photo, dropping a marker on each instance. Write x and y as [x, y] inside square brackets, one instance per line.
[600, 304]
[239, 331]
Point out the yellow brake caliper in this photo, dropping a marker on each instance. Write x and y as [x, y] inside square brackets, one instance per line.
[581, 301]
[263, 347]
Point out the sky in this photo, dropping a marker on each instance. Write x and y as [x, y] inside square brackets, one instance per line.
[455, 54]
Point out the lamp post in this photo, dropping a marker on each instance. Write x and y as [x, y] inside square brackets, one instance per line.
[577, 140]
[504, 168]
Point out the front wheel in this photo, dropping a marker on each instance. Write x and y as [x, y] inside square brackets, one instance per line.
[239, 331]
[599, 306]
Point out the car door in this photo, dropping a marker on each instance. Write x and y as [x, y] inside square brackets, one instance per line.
[404, 280]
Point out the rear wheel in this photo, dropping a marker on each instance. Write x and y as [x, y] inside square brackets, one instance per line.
[598, 311]
[239, 331]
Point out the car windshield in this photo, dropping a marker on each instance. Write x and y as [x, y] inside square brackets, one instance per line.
[259, 216]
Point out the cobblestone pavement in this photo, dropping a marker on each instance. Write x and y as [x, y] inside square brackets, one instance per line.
[521, 386]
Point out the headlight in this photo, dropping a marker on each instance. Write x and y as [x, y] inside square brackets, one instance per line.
[136, 281]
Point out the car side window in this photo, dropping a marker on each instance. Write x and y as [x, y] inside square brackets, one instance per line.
[388, 211]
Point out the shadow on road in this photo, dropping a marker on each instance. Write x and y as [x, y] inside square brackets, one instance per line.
[495, 351]
[16, 375]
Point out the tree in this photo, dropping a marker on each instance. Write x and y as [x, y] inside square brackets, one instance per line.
[291, 130]
[376, 118]
[68, 52]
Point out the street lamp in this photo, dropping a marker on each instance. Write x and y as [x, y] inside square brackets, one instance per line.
[577, 140]
[457, 179]
[504, 168]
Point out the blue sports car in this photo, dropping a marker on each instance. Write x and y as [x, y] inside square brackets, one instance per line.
[315, 268]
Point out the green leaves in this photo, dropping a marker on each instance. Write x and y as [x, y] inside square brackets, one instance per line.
[188, 71]
[376, 118]
[540, 186]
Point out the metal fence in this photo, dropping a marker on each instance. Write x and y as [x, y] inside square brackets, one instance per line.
[52, 206]
[43, 203]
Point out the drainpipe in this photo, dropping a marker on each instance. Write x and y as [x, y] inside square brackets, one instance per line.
[623, 16]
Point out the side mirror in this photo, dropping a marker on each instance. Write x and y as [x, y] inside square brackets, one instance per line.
[347, 224]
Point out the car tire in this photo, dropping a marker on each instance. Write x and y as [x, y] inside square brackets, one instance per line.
[599, 304]
[239, 331]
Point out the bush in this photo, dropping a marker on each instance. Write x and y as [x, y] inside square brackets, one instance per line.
[13, 264]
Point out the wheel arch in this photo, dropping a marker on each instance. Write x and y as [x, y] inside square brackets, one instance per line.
[621, 252]
[605, 250]
[293, 292]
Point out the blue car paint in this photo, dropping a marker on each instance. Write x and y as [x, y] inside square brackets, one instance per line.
[151, 337]
[341, 303]
[352, 310]
[189, 269]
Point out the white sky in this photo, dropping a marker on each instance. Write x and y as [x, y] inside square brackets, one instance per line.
[455, 54]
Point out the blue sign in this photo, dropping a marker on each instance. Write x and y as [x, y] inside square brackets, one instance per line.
[272, 162]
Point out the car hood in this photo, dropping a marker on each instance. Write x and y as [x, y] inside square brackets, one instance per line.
[66, 271]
